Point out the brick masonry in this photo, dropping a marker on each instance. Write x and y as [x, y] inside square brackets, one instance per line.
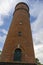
[20, 23]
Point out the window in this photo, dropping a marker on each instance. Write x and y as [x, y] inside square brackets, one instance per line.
[19, 33]
[20, 23]
[17, 55]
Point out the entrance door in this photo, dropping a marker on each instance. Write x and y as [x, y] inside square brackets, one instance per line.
[17, 54]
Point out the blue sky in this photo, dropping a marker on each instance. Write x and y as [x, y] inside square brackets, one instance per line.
[36, 20]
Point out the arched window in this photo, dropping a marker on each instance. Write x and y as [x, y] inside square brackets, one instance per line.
[17, 54]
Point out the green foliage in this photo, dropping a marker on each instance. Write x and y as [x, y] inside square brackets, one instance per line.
[37, 61]
[0, 51]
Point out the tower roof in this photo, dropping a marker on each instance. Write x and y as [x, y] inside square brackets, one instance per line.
[22, 3]
[22, 6]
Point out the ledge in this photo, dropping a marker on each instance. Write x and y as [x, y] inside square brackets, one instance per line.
[11, 63]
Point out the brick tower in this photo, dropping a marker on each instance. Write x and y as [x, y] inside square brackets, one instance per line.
[18, 46]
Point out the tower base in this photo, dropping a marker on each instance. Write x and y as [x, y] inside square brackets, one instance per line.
[12, 63]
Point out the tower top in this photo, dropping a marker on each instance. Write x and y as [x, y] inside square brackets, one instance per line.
[22, 5]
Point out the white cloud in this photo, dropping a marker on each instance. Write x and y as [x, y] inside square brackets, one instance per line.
[37, 29]
[1, 21]
[2, 39]
[38, 37]
[38, 45]
[39, 52]
[38, 23]
[36, 8]
[3, 31]
[5, 7]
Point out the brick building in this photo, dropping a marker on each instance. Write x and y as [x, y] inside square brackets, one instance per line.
[18, 45]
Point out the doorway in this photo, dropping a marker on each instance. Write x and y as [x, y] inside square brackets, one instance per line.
[17, 54]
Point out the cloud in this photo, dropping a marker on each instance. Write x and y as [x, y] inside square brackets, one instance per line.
[2, 37]
[38, 23]
[5, 7]
[37, 29]
[38, 37]
[38, 42]
[2, 40]
[4, 31]
[38, 45]
[36, 8]
[1, 21]
[39, 52]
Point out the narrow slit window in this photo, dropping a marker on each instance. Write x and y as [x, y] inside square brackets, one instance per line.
[20, 23]
[19, 33]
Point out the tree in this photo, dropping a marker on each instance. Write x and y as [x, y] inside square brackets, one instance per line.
[37, 61]
[0, 51]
